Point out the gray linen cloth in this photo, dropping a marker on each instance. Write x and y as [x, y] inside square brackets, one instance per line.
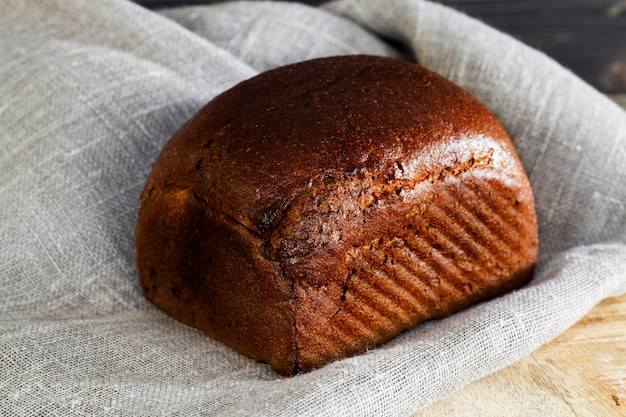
[89, 93]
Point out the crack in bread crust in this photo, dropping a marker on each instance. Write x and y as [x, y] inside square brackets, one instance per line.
[333, 205]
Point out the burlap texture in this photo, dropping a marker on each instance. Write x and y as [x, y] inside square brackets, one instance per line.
[89, 93]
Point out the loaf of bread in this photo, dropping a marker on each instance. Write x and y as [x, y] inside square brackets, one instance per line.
[320, 209]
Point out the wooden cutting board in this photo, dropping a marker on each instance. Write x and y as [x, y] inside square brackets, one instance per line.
[580, 373]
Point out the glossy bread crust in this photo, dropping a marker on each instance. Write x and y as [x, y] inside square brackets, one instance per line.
[319, 209]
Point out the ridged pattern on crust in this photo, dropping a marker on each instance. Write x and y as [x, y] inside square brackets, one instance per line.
[469, 244]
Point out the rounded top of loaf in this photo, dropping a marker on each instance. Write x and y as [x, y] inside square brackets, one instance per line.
[253, 149]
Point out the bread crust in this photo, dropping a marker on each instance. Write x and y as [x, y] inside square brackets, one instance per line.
[322, 208]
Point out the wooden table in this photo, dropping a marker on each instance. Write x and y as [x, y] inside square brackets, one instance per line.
[580, 373]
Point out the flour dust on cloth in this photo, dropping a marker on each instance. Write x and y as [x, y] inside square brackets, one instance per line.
[91, 91]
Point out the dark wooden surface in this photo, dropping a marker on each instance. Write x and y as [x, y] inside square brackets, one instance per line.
[587, 36]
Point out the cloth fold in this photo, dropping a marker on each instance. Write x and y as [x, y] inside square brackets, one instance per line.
[91, 91]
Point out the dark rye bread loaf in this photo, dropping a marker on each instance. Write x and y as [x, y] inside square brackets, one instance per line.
[319, 209]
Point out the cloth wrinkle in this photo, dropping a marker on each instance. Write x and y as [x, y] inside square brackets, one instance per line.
[92, 91]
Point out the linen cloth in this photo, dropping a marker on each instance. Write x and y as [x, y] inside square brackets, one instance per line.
[89, 93]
